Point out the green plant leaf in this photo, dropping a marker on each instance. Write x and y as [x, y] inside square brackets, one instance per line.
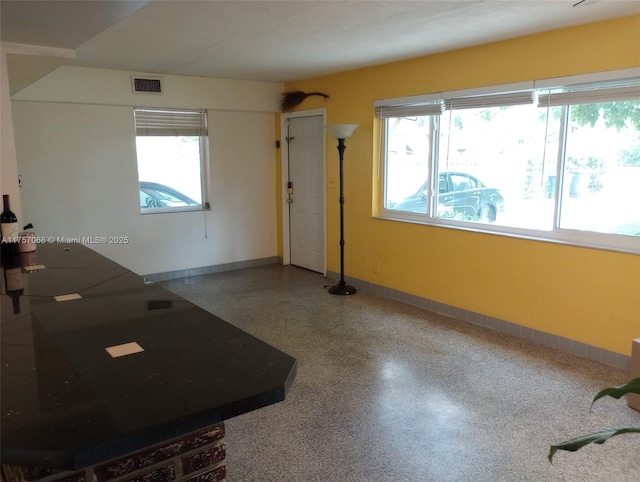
[599, 437]
[616, 392]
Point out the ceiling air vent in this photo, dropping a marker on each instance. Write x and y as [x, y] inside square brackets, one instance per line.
[147, 85]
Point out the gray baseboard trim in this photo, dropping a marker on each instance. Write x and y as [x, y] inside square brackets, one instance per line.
[218, 268]
[606, 357]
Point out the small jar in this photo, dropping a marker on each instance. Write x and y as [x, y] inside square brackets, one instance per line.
[27, 242]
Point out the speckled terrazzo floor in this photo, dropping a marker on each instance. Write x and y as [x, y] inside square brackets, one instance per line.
[388, 392]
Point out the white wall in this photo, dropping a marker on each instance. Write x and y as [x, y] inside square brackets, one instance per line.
[8, 159]
[76, 155]
[113, 87]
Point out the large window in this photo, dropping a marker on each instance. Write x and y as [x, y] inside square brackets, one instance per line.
[171, 151]
[559, 163]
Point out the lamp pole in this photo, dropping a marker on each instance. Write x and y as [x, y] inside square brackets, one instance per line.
[341, 132]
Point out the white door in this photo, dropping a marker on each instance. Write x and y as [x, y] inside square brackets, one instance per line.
[306, 195]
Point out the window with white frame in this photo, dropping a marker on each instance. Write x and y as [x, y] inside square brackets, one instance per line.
[171, 148]
[559, 162]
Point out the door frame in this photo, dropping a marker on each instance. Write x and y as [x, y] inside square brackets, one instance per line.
[286, 242]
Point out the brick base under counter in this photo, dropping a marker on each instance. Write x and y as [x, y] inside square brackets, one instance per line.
[196, 457]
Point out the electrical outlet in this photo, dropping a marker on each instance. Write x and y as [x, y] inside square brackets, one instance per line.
[333, 182]
[376, 266]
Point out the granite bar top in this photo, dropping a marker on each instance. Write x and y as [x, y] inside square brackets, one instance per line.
[67, 403]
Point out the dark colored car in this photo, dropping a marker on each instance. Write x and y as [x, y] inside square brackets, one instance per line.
[154, 195]
[460, 196]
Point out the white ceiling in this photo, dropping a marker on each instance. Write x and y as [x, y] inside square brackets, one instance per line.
[278, 40]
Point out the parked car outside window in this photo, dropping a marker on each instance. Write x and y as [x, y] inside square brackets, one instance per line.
[154, 195]
[460, 196]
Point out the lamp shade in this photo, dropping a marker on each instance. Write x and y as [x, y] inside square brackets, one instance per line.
[341, 131]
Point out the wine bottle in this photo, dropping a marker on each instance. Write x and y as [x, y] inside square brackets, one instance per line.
[9, 224]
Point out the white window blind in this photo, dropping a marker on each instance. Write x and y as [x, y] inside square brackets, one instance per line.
[491, 100]
[168, 122]
[589, 96]
[409, 110]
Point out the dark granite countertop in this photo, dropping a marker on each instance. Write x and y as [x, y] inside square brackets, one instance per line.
[67, 403]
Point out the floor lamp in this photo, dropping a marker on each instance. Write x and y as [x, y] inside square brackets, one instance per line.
[341, 132]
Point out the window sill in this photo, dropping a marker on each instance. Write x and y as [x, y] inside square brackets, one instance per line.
[603, 242]
[187, 209]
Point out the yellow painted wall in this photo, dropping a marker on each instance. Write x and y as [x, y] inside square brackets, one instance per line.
[588, 295]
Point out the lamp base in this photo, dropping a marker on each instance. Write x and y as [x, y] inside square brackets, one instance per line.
[342, 289]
